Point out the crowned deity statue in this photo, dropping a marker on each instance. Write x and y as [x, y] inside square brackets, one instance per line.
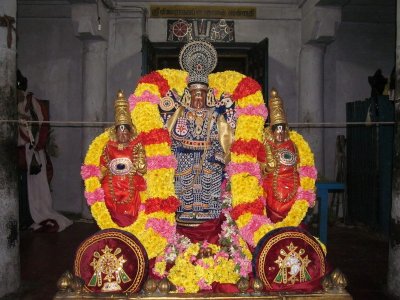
[123, 165]
[201, 136]
[279, 161]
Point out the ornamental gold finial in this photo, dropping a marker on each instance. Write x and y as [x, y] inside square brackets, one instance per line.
[243, 284]
[64, 282]
[277, 113]
[258, 286]
[339, 280]
[150, 286]
[121, 106]
[164, 286]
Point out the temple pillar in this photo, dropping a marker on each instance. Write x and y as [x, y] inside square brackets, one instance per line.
[94, 95]
[90, 21]
[9, 233]
[394, 241]
[311, 103]
[319, 24]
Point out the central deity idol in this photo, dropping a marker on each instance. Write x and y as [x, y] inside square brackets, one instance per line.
[201, 137]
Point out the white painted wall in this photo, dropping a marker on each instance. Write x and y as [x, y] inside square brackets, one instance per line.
[50, 56]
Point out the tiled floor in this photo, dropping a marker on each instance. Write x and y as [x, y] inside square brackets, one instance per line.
[360, 254]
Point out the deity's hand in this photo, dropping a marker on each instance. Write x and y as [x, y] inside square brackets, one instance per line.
[141, 168]
[270, 161]
[140, 164]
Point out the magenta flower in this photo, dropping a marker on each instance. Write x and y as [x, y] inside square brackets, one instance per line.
[88, 171]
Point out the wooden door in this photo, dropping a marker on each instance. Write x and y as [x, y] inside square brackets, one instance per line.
[250, 59]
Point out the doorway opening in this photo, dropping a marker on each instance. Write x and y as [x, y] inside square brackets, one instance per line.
[250, 59]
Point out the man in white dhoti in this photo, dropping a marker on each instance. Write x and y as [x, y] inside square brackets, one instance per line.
[32, 139]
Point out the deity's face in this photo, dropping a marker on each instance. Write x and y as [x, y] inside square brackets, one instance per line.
[279, 133]
[123, 133]
[198, 94]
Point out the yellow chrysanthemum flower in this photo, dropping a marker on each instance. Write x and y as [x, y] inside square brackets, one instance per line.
[254, 100]
[142, 87]
[157, 149]
[225, 82]
[245, 188]
[176, 79]
[249, 127]
[242, 158]
[92, 184]
[96, 149]
[159, 182]
[146, 117]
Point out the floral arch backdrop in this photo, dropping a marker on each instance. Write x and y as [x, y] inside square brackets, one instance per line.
[155, 226]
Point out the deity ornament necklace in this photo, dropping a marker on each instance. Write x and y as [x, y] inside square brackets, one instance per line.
[198, 116]
[120, 167]
[121, 146]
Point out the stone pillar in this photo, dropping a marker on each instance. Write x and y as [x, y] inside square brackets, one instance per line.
[318, 29]
[94, 95]
[394, 241]
[311, 103]
[90, 21]
[9, 233]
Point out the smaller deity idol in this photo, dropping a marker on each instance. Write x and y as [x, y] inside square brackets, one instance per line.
[279, 160]
[123, 165]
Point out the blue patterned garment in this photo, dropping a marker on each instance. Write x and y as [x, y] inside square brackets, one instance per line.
[200, 156]
[200, 159]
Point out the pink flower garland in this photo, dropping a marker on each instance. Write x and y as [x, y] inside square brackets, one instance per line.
[247, 167]
[254, 224]
[160, 161]
[308, 171]
[145, 97]
[95, 196]
[259, 110]
[163, 227]
[309, 196]
[88, 171]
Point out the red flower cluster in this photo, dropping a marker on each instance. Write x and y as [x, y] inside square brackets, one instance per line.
[256, 208]
[246, 147]
[246, 87]
[155, 136]
[169, 205]
[157, 79]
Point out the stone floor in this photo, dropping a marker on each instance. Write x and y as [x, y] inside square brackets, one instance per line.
[359, 253]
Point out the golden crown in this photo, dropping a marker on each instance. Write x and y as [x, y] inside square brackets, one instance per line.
[121, 107]
[276, 111]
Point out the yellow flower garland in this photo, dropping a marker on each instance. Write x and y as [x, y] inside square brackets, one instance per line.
[299, 208]
[152, 241]
[146, 117]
